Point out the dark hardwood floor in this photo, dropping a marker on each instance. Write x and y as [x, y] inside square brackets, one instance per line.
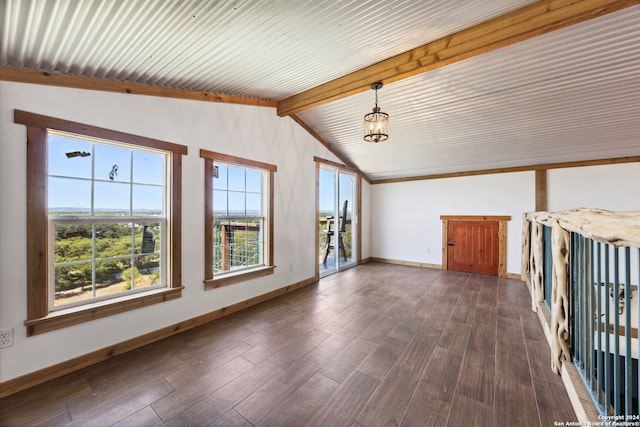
[376, 345]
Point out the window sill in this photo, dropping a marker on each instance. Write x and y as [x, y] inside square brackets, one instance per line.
[73, 316]
[231, 278]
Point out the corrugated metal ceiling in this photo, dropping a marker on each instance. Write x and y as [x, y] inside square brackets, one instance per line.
[569, 95]
[264, 49]
[566, 96]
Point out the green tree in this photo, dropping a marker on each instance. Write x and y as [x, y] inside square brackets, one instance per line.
[73, 276]
[126, 277]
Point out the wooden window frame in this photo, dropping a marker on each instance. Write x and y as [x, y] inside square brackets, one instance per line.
[39, 318]
[210, 281]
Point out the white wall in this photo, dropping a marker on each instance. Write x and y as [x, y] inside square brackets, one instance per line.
[611, 187]
[365, 220]
[405, 216]
[251, 132]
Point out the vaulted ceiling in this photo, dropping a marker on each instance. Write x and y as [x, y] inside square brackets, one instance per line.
[471, 85]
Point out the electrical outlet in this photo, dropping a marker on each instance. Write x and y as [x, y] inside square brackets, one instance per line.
[6, 338]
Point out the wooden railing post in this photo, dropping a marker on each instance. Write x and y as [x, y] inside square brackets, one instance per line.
[559, 297]
[525, 275]
[536, 265]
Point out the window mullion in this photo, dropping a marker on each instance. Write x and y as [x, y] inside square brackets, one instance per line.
[93, 225]
[132, 254]
[133, 226]
[164, 249]
[93, 164]
[94, 265]
[226, 192]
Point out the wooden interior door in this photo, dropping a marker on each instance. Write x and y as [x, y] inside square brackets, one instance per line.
[473, 246]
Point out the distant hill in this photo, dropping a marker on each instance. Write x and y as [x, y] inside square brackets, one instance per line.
[106, 211]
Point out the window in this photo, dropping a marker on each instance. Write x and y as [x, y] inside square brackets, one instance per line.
[107, 219]
[238, 218]
[103, 222]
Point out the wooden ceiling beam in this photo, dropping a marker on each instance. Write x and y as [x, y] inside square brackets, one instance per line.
[22, 75]
[522, 24]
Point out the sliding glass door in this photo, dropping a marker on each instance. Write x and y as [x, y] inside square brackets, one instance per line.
[336, 219]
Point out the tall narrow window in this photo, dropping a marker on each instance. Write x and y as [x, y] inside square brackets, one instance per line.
[103, 219]
[238, 219]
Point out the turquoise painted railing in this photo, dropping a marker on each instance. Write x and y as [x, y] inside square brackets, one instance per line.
[583, 266]
[604, 349]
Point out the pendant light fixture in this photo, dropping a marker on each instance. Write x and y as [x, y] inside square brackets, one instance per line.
[376, 123]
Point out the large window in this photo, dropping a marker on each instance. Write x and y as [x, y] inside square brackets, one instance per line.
[239, 218]
[107, 218]
[104, 221]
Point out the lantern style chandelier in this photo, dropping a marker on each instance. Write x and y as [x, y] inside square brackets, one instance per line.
[376, 123]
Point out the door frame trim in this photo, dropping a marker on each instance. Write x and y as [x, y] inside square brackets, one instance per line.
[502, 237]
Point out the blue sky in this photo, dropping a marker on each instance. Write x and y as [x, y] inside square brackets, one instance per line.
[141, 172]
[118, 172]
[237, 189]
[327, 190]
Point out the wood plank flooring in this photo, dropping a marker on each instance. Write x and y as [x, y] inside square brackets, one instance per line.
[376, 345]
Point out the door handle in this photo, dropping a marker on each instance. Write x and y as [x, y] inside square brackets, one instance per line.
[450, 244]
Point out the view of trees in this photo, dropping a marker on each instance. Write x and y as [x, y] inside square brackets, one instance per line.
[117, 247]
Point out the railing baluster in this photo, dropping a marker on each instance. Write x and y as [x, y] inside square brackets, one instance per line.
[575, 312]
[616, 332]
[585, 306]
[583, 335]
[628, 386]
[571, 279]
[599, 373]
[607, 344]
[580, 329]
[590, 328]
[592, 364]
